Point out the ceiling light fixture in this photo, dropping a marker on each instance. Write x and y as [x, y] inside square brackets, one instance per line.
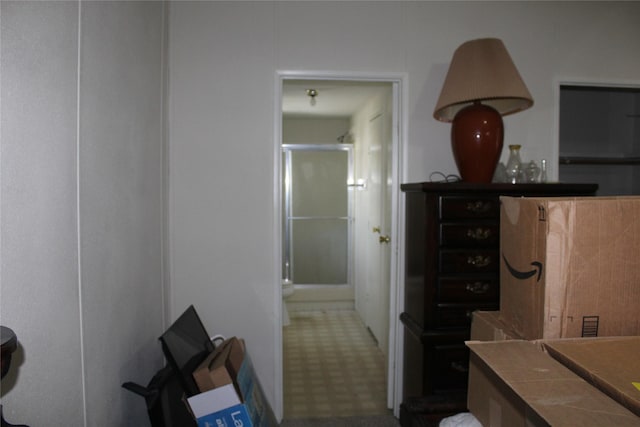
[312, 93]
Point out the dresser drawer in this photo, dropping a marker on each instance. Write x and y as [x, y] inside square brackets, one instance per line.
[472, 234]
[468, 290]
[458, 316]
[457, 207]
[447, 367]
[469, 261]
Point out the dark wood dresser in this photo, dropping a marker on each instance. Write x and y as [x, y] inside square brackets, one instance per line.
[451, 269]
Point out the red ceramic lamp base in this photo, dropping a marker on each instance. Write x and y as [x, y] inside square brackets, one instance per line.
[476, 140]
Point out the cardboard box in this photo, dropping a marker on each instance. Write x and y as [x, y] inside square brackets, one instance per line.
[253, 396]
[515, 383]
[231, 360]
[219, 407]
[487, 326]
[569, 266]
[610, 364]
[221, 366]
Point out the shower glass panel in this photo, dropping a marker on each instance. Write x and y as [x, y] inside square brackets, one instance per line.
[317, 210]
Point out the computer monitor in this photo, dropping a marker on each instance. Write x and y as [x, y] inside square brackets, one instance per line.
[185, 345]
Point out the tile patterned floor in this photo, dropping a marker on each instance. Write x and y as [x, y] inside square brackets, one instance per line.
[332, 367]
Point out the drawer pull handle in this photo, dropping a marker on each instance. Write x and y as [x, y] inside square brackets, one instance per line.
[479, 233]
[478, 207]
[478, 287]
[459, 367]
[479, 261]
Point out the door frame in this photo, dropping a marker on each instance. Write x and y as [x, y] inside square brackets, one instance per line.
[399, 82]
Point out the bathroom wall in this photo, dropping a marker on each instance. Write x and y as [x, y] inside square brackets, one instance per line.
[298, 130]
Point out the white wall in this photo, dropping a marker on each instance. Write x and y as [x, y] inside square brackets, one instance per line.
[82, 217]
[223, 61]
[222, 220]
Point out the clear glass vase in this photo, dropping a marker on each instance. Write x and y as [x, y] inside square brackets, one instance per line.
[514, 164]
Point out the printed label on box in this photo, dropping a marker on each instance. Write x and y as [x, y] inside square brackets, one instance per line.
[235, 416]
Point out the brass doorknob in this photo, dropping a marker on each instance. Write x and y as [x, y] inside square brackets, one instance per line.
[384, 239]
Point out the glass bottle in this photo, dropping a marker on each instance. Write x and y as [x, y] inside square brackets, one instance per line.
[543, 170]
[514, 164]
[531, 172]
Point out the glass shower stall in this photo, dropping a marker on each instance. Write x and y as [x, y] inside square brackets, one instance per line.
[317, 207]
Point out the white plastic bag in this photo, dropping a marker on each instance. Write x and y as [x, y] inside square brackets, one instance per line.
[464, 419]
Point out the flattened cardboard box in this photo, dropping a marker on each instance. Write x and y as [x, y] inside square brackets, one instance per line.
[610, 364]
[487, 326]
[569, 266]
[514, 383]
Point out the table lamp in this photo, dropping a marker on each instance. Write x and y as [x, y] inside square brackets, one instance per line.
[481, 86]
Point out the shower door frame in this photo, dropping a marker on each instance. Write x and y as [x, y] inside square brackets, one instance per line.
[287, 150]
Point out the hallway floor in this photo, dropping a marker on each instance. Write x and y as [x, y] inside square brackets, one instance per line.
[332, 367]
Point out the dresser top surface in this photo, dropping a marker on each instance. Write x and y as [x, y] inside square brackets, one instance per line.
[500, 188]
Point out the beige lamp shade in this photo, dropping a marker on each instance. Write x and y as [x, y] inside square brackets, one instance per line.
[482, 70]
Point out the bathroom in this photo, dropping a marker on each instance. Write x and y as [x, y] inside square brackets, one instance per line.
[337, 143]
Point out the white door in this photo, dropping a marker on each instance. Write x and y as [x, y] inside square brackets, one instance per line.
[379, 222]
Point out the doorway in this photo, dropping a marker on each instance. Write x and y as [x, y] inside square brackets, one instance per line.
[376, 304]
